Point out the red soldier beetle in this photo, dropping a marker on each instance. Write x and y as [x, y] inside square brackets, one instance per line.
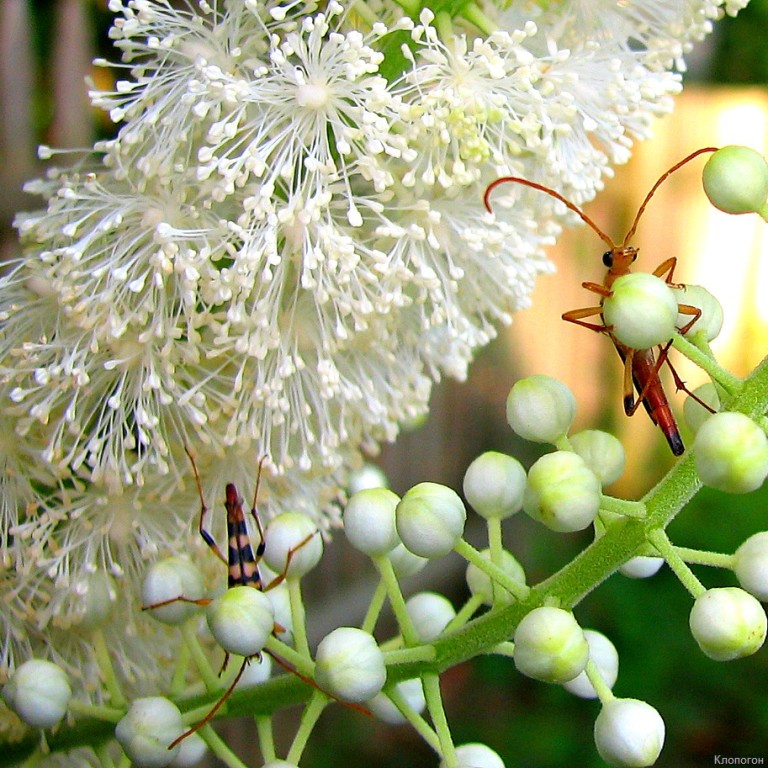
[641, 366]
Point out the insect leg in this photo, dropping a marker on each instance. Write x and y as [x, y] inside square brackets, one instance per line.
[216, 707]
[688, 309]
[207, 538]
[309, 681]
[630, 404]
[668, 267]
[575, 315]
[680, 386]
[291, 552]
[254, 513]
[203, 601]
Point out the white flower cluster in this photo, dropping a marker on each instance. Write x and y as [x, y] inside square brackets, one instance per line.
[284, 247]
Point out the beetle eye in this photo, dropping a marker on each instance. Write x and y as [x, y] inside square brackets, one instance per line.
[608, 258]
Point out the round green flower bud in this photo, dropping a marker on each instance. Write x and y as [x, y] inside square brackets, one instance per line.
[694, 413]
[710, 321]
[727, 623]
[641, 567]
[404, 562]
[168, 579]
[602, 452]
[429, 613]
[350, 665]
[280, 597]
[494, 485]
[480, 583]
[367, 477]
[731, 453]
[603, 652]
[629, 733]
[241, 620]
[94, 597]
[149, 726]
[383, 708]
[750, 564]
[292, 535]
[540, 408]
[475, 755]
[38, 692]
[369, 521]
[550, 645]
[641, 310]
[735, 180]
[562, 492]
[191, 752]
[430, 519]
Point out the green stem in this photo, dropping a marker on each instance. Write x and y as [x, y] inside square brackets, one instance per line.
[83, 709]
[410, 654]
[660, 540]
[465, 613]
[604, 693]
[730, 383]
[298, 617]
[396, 600]
[309, 717]
[303, 664]
[507, 648]
[188, 633]
[104, 662]
[419, 724]
[496, 550]
[444, 26]
[434, 699]
[365, 13]
[219, 748]
[105, 757]
[411, 7]
[474, 15]
[469, 553]
[374, 607]
[702, 557]
[266, 738]
[180, 668]
[623, 507]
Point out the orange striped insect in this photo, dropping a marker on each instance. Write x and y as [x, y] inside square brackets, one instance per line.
[641, 366]
[243, 570]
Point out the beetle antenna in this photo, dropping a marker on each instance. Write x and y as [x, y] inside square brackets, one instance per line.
[552, 193]
[660, 181]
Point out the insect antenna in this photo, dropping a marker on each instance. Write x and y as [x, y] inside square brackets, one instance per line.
[552, 193]
[658, 183]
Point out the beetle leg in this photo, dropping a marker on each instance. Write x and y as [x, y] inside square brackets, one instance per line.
[688, 309]
[667, 266]
[575, 315]
[630, 404]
